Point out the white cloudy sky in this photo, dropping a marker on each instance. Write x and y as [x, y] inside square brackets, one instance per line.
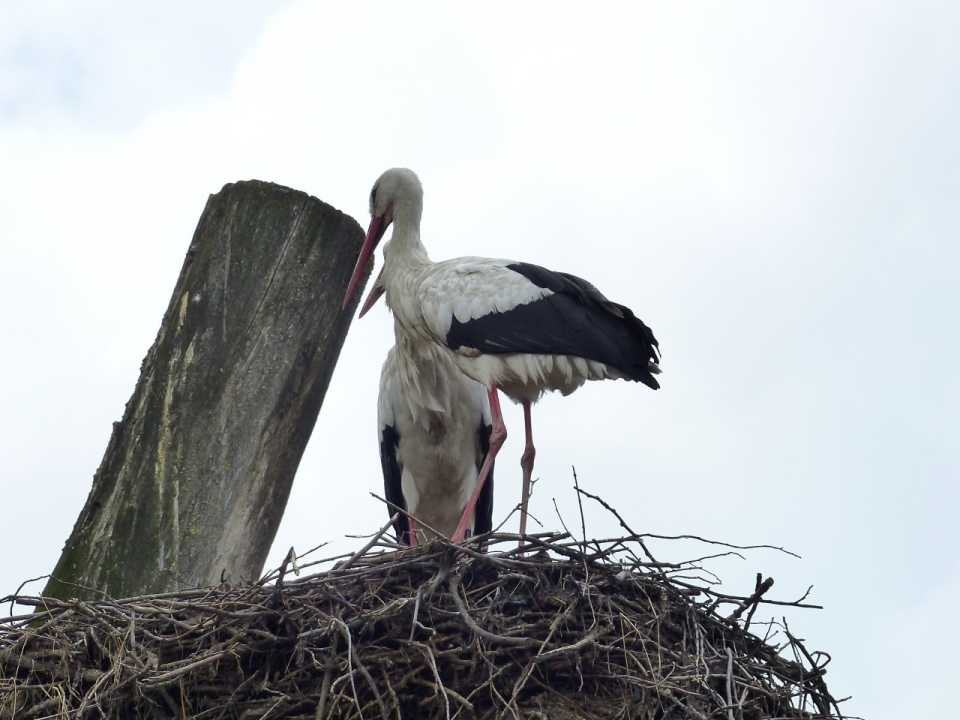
[773, 187]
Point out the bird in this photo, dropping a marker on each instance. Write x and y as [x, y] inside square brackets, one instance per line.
[434, 431]
[510, 326]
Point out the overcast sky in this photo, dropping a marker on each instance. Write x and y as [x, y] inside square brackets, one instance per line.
[772, 187]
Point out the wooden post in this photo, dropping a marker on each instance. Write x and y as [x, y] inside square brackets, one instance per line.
[196, 476]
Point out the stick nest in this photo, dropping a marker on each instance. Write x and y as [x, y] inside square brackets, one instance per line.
[567, 629]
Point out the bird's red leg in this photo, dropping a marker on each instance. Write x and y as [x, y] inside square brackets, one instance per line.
[526, 462]
[497, 435]
[412, 532]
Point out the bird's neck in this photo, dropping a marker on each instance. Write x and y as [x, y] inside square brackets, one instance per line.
[404, 256]
[405, 263]
[405, 247]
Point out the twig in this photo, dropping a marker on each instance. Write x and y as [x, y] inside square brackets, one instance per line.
[324, 692]
[180, 671]
[350, 657]
[373, 541]
[586, 641]
[623, 522]
[421, 523]
[503, 640]
[436, 675]
[583, 523]
[729, 684]
[754, 599]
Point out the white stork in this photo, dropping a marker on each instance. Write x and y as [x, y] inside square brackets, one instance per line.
[508, 325]
[434, 435]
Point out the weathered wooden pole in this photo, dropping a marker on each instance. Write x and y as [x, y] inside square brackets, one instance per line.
[197, 474]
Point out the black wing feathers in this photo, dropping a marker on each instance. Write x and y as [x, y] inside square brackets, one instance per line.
[483, 513]
[575, 320]
[392, 487]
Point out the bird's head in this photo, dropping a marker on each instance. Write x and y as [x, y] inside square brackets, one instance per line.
[397, 196]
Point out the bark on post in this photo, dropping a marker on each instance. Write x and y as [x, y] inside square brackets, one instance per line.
[197, 474]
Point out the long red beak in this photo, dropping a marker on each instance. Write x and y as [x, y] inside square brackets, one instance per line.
[375, 293]
[377, 228]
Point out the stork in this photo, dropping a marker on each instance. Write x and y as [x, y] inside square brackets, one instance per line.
[434, 435]
[512, 326]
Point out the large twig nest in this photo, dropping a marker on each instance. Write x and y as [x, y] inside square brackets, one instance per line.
[570, 630]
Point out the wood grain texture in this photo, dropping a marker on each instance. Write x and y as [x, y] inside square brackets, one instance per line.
[196, 476]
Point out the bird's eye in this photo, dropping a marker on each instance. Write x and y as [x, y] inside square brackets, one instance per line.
[373, 196]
